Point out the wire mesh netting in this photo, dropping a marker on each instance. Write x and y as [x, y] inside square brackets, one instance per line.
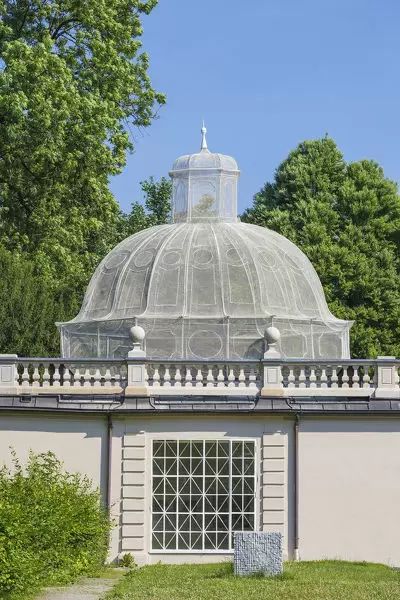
[205, 286]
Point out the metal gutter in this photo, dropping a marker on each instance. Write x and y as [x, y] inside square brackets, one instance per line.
[109, 461]
[119, 404]
[296, 487]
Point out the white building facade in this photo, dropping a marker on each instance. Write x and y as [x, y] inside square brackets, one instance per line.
[206, 388]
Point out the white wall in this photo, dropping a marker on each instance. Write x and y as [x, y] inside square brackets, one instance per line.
[79, 441]
[349, 492]
[349, 489]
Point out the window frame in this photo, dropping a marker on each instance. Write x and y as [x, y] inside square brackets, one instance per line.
[256, 493]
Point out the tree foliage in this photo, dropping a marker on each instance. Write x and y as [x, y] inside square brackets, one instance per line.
[52, 526]
[73, 84]
[346, 218]
[155, 210]
[73, 81]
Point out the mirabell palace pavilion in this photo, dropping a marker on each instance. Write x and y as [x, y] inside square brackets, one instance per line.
[206, 388]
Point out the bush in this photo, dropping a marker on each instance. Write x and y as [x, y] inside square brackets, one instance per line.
[127, 561]
[52, 525]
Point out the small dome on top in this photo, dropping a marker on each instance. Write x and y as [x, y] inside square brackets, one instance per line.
[205, 159]
[204, 186]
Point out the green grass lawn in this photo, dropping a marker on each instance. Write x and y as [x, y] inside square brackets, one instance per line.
[321, 580]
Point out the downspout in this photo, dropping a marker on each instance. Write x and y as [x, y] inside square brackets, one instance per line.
[296, 487]
[109, 461]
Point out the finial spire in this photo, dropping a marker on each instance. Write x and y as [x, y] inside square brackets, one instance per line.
[203, 138]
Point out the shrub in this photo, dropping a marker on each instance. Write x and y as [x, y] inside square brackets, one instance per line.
[127, 560]
[52, 525]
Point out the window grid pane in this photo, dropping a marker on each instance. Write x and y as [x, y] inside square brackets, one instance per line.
[203, 491]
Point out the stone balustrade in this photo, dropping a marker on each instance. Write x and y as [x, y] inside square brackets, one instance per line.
[242, 378]
[139, 375]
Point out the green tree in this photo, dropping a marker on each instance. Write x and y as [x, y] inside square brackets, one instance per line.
[29, 307]
[73, 82]
[346, 218]
[155, 210]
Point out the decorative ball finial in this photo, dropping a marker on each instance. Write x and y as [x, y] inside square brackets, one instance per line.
[137, 334]
[272, 337]
[203, 138]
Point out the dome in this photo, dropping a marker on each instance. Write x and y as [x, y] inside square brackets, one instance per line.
[205, 286]
[208, 290]
[205, 160]
[206, 271]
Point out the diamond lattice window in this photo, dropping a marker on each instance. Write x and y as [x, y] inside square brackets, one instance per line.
[203, 491]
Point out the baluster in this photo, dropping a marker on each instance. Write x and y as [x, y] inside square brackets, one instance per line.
[188, 376]
[334, 377]
[36, 376]
[355, 380]
[87, 378]
[324, 377]
[302, 378]
[156, 377]
[107, 378]
[231, 378]
[313, 377]
[97, 377]
[345, 377]
[167, 377]
[242, 378]
[291, 378]
[199, 378]
[46, 377]
[56, 375]
[210, 377]
[220, 377]
[252, 378]
[66, 377]
[119, 377]
[25, 376]
[178, 377]
[366, 380]
[77, 377]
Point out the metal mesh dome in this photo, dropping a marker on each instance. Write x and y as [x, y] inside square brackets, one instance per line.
[205, 160]
[205, 286]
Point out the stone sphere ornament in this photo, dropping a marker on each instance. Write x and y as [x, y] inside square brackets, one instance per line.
[272, 335]
[137, 334]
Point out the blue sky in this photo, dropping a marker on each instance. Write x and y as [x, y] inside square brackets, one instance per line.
[267, 74]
